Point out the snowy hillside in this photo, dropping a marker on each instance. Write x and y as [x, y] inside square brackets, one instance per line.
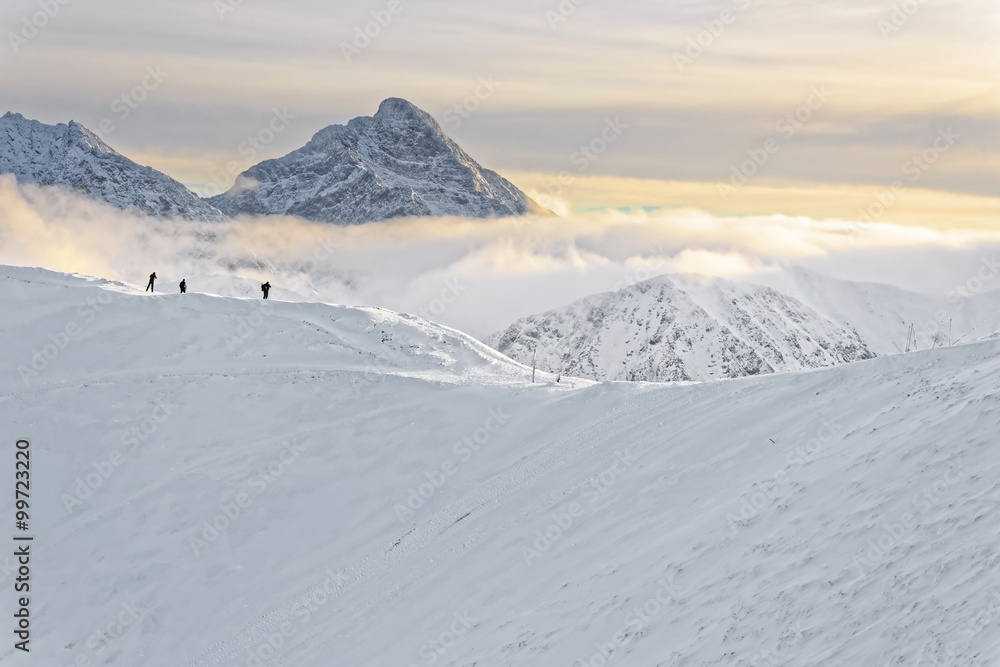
[220, 482]
[881, 314]
[695, 328]
[397, 163]
[73, 156]
[681, 328]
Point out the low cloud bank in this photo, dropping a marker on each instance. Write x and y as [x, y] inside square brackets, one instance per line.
[474, 275]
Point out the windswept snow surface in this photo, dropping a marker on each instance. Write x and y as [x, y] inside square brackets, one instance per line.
[845, 516]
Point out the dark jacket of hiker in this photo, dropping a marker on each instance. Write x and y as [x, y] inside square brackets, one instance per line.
[184, 287]
[265, 288]
[152, 278]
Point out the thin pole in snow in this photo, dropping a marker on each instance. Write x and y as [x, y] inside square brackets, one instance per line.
[533, 355]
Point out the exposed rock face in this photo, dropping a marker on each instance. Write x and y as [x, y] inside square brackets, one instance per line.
[681, 328]
[73, 156]
[397, 163]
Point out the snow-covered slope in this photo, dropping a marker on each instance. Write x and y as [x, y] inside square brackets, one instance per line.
[397, 163]
[73, 156]
[681, 328]
[882, 314]
[216, 485]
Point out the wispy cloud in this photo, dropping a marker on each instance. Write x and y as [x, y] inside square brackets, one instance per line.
[226, 75]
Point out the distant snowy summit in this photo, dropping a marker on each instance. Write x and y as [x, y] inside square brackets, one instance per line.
[73, 156]
[677, 327]
[397, 163]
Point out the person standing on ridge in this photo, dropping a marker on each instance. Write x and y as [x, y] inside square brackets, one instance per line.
[184, 286]
[152, 278]
[265, 288]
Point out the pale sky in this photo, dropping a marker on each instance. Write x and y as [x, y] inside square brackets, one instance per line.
[886, 82]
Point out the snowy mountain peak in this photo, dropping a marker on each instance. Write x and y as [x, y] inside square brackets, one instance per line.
[72, 132]
[398, 108]
[396, 163]
[73, 156]
[82, 135]
[681, 328]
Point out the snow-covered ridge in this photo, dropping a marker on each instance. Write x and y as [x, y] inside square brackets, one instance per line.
[681, 328]
[208, 333]
[695, 328]
[71, 155]
[397, 163]
[235, 499]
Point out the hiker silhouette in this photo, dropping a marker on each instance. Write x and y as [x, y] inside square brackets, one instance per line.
[265, 288]
[152, 279]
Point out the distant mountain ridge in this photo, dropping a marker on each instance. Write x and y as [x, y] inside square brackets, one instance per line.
[677, 327]
[396, 163]
[674, 328]
[71, 155]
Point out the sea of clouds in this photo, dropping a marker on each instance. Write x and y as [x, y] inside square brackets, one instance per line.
[474, 275]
